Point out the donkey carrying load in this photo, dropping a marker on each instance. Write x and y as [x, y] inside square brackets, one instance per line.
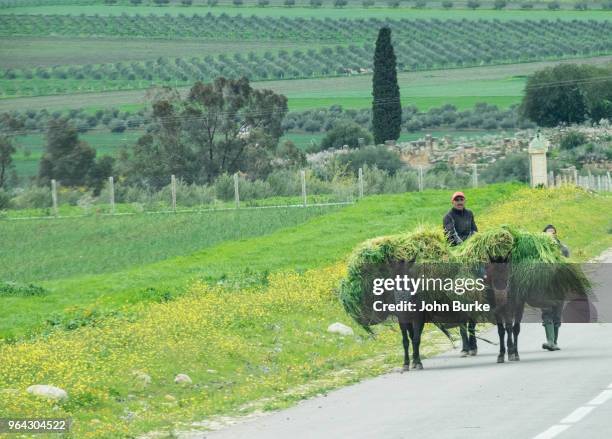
[516, 267]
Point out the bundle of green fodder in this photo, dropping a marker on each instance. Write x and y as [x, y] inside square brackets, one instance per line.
[538, 270]
[423, 253]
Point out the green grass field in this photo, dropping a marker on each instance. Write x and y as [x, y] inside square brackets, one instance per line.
[326, 12]
[21, 52]
[501, 85]
[117, 243]
[246, 319]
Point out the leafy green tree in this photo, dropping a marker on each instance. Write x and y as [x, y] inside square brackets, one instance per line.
[7, 149]
[386, 106]
[568, 93]
[66, 158]
[500, 4]
[99, 173]
[345, 133]
[222, 127]
[8, 125]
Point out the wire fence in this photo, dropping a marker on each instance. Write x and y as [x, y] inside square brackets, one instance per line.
[299, 189]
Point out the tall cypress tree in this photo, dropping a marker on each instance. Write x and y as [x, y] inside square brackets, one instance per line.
[386, 107]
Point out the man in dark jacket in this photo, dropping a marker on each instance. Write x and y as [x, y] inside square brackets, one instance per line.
[459, 225]
[459, 222]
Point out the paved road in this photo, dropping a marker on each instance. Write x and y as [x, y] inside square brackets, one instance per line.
[565, 394]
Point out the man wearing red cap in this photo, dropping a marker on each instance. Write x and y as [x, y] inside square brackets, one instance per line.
[459, 225]
[459, 222]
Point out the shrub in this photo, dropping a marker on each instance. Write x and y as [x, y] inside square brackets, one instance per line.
[447, 4]
[393, 3]
[345, 133]
[581, 6]
[514, 167]
[187, 2]
[527, 5]
[5, 200]
[379, 156]
[237, 2]
[135, 2]
[289, 3]
[572, 139]
[420, 4]
[367, 3]
[263, 3]
[21, 290]
[315, 3]
[212, 2]
[554, 5]
[473, 4]
[500, 4]
[33, 197]
[340, 3]
[607, 5]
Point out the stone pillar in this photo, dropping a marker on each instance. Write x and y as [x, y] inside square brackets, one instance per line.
[537, 160]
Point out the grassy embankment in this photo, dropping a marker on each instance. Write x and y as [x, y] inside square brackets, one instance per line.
[258, 347]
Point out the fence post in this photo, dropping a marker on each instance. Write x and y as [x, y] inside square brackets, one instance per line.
[173, 191]
[421, 178]
[111, 188]
[576, 177]
[236, 191]
[303, 175]
[475, 175]
[360, 183]
[54, 195]
[609, 181]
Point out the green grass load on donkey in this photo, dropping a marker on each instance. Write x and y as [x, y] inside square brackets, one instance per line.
[517, 267]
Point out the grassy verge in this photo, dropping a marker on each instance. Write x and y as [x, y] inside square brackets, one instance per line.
[259, 347]
[319, 242]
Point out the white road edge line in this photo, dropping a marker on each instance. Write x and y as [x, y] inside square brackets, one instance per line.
[601, 398]
[552, 432]
[577, 415]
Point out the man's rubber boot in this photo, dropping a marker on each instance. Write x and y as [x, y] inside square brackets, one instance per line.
[556, 332]
[550, 337]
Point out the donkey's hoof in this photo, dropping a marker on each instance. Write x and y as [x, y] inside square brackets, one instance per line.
[405, 368]
[473, 352]
[500, 358]
[417, 366]
[464, 354]
[516, 357]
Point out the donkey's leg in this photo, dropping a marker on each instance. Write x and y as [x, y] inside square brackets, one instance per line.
[415, 330]
[516, 328]
[465, 344]
[406, 343]
[510, 339]
[502, 343]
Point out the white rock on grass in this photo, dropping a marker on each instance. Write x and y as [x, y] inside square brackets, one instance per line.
[339, 328]
[49, 392]
[142, 378]
[182, 378]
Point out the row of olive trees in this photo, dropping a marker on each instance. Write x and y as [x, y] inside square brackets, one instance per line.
[417, 4]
